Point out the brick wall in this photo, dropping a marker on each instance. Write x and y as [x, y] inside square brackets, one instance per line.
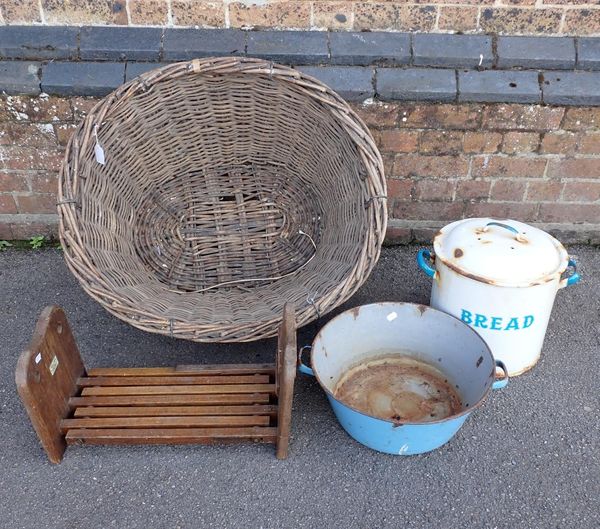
[538, 164]
[549, 17]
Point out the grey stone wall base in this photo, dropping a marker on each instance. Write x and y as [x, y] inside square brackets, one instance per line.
[391, 66]
[353, 84]
[39, 42]
[82, 78]
[499, 87]
[25, 226]
[99, 43]
[370, 48]
[571, 88]
[536, 52]
[417, 84]
[187, 44]
[20, 227]
[423, 231]
[20, 77]
[452, 51]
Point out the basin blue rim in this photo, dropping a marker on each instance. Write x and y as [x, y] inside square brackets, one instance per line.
[419, 306]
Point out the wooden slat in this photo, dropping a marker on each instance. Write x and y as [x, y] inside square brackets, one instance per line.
[179, 390]
[171, 380]
[174, 400]
[163, 411]
[169, 435]
[164, 422]
[183, 370]
[226, 369]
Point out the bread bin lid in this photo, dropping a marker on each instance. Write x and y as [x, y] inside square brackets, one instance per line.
[500, 252]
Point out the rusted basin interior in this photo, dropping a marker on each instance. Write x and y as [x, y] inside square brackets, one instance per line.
[400, 388]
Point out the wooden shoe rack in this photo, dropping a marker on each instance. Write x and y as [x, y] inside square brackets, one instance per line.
[204, 404]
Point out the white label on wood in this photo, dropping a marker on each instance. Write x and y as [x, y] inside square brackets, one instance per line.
[38, 358]
[53, 365]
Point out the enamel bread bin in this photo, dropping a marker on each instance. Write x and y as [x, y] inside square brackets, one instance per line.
[501, 278]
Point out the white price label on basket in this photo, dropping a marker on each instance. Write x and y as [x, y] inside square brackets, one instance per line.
[99, 152]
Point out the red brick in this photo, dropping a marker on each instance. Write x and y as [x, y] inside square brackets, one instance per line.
[502, 210]
[520, 142]
[507, 166]
[82, 106]
[520, 21]
[507, 190]
[441, 142]
[559, 142]
[399, 140]
[44, 182]
[473, 189]
[378, 114]
[458, 18]
[574, 168]
[435, 190]
[148, 12]
[440, 116]
[524, 2]
[75, 12]
[28, 158]
[376, 136]
[290, 14]
[36, 203]
[27, 134]
[40, 109]
[412, 165]
[21, 11]
[553, 212]
[582, 118]
[388, 164]
[543, 191]
[64, 132]
[482, 142]
[395, 235]
[399, 189]
[443, 211]
[12, 182]
[333, 15]
[7, 204]
[193, 13]
[46, 109]
[567, 2]
[522, 117]
[393, 16]
[581, 192]
[582, 21]
[589, 143]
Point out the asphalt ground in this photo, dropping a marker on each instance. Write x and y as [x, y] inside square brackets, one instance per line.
[529, 458]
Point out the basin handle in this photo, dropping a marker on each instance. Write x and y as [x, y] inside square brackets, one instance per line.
[424, 258]
[302, 367]
[518, 236]
[573, 278]
[501, 383]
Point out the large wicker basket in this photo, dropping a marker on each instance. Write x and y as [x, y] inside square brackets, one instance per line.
[229, 187]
